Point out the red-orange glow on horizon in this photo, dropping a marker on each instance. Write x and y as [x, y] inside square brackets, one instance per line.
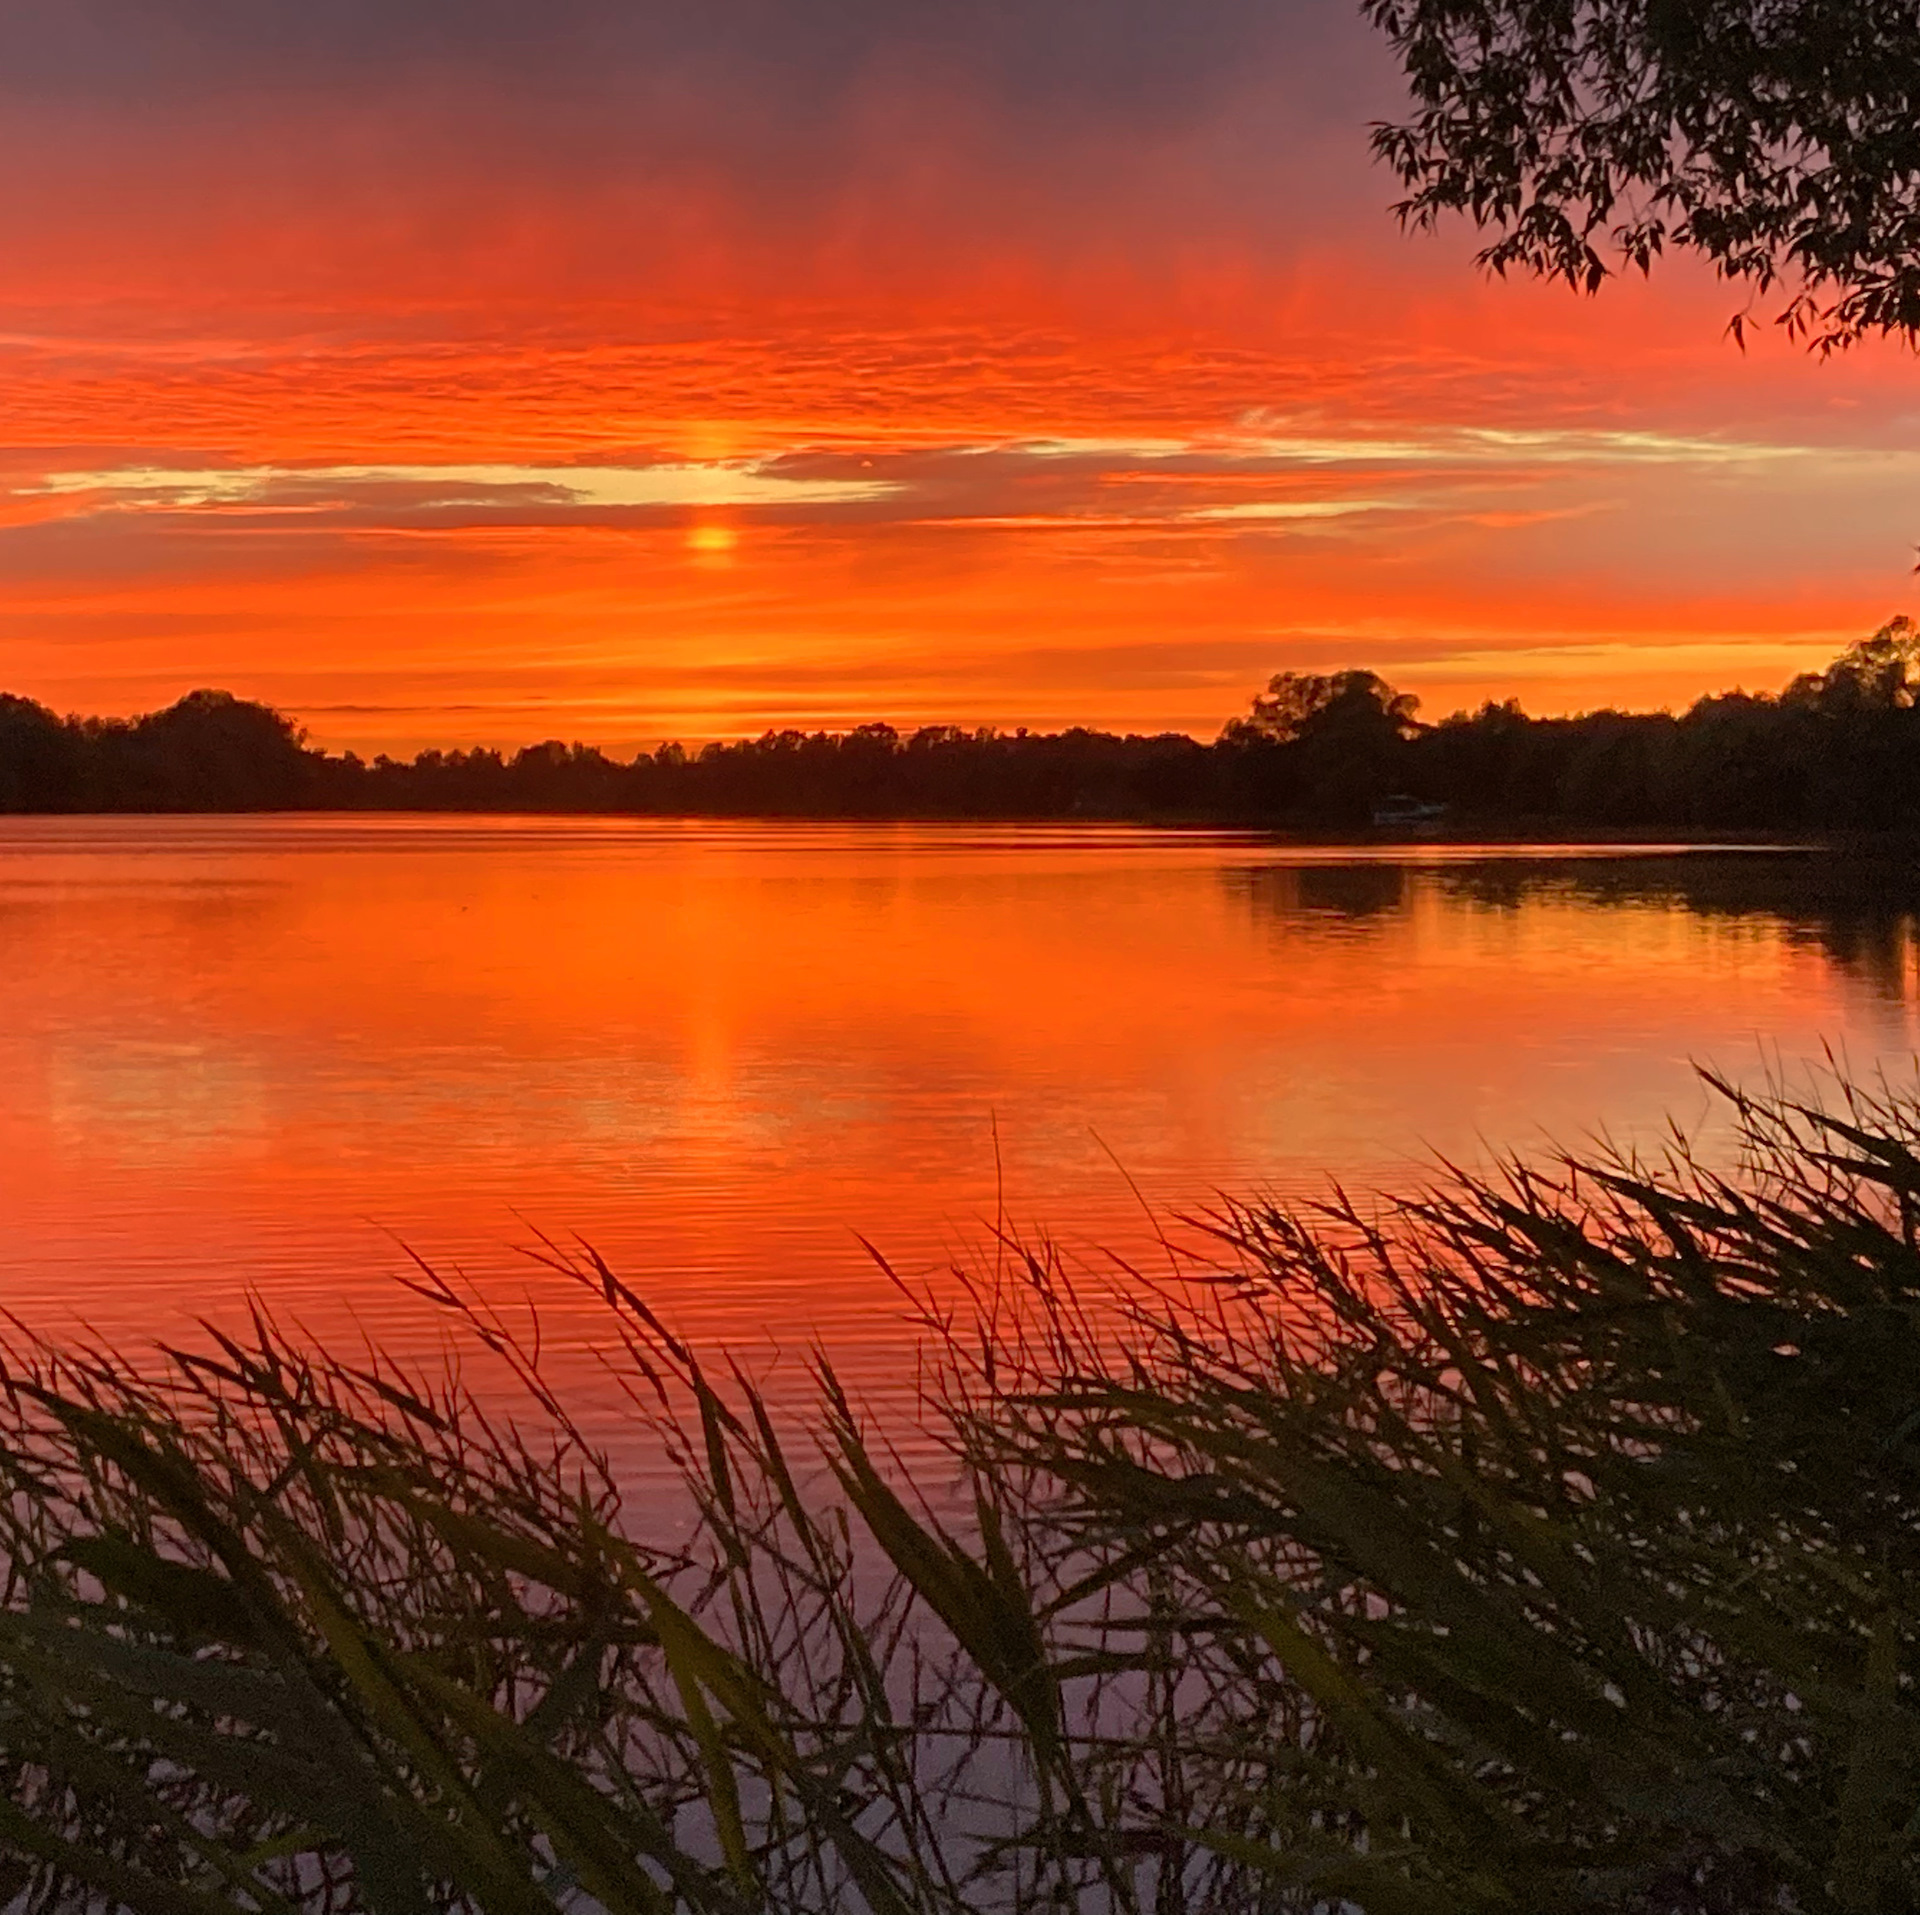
[449, 415]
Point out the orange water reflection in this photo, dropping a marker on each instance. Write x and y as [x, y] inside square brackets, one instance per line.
[257, 1052]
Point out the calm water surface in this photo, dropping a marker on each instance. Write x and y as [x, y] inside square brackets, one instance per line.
[265, 1053]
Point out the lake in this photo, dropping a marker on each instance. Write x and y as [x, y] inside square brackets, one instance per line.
[276, 1054]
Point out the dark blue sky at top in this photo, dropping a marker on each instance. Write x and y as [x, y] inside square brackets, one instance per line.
[1146, 66]
[1124, 56]
[1044, 123]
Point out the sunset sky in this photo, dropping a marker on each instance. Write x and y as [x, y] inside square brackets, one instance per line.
[452, 371]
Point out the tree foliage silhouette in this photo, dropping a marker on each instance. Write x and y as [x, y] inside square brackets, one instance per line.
[1330, 745]
[1311, 705]
[1778, 138]
[1837, 749]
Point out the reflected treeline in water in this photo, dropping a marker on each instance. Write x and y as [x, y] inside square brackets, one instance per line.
[1861, 911]
[1365, 889]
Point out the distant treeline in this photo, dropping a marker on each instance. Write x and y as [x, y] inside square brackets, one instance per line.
[1836, 750]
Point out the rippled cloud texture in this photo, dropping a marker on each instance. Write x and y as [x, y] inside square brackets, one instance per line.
[474, 372]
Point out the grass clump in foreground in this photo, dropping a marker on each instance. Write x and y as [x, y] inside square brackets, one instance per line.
[1545, 1543]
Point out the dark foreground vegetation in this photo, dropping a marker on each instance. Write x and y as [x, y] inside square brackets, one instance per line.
[1544, 1543]
[1837, 750]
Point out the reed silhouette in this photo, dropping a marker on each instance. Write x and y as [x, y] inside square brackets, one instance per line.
[1547, 1540]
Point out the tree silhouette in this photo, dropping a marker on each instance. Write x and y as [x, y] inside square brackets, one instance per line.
[1837, 749]
[1303, 706]
[1779, 138]
[39, 758]
[1881, 673]
[211, 751]
[1333, 743]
